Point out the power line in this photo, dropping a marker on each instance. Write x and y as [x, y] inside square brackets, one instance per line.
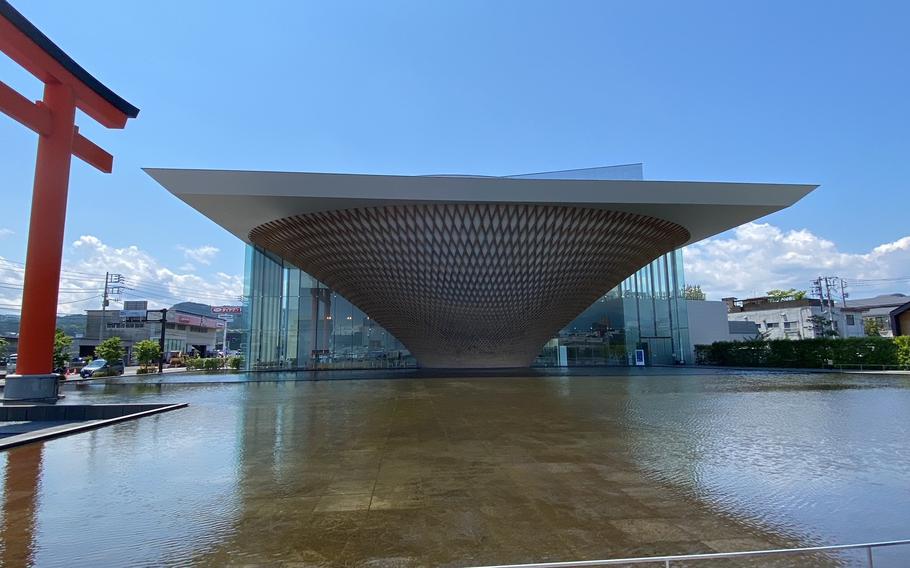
[21, 271]
[184, 295]
[167, 287]
[164, 291]
[77, 301]
[873, 281]
[18, 307]
[20, 266]
[61, 290]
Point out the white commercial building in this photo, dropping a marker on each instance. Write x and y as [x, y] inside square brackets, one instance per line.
[794, 319]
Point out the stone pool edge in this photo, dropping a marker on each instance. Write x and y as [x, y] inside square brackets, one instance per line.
[81, 426]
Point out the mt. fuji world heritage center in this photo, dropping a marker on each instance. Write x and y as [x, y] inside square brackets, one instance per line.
[578, 267]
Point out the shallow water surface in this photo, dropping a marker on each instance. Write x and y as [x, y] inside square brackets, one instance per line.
[426, 471]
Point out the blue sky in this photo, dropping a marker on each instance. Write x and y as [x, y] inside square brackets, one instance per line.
[808, 92]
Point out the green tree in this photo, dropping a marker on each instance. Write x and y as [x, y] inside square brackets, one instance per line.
[62, 343]
[110, 349]
[3, 345]
[872, 327]
[693, 292]
[778, 295]
[147, 352]
[822, 326]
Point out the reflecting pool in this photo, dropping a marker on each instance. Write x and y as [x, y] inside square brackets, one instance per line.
[427, 470]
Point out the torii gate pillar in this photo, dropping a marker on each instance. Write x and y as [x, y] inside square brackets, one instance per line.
[67, 86]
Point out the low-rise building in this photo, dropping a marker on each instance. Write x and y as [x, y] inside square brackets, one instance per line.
[900, 320]
[805, 318]
[879, 310]
[185, 332]
[708, 323]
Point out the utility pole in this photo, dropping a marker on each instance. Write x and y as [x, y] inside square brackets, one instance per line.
[821, 287]
[818, 291]
[109, 290]
[825, 287]
[107, 278]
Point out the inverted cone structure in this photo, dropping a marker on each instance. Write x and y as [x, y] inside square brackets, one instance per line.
[471, 285]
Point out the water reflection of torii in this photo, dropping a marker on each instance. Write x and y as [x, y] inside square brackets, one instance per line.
[20, 504]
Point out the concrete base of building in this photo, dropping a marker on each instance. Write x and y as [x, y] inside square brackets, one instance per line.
[40, 388]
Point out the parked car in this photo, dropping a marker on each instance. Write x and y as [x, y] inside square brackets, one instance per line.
[108, 368]
[75, 364]
[11, 364]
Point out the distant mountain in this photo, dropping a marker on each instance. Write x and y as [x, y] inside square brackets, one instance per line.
[9, 323]
[74, 324]
[71, 325]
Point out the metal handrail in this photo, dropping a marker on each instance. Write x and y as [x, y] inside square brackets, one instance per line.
[666, 560]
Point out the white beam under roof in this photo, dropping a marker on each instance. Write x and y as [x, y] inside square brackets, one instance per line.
[242, 200]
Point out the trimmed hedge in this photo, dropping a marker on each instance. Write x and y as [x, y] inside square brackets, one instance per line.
[805, 353]
[214, 363]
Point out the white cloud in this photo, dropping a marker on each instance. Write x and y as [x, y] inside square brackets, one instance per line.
[145, 278]
[202, 255]
[758, 257]
[4, 232]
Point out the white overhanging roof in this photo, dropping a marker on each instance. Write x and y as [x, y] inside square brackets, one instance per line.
[242, 200]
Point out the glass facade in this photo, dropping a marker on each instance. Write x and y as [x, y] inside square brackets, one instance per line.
[292, 321]
[646, 311]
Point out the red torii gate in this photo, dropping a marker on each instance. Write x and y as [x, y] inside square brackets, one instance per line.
[67, 86]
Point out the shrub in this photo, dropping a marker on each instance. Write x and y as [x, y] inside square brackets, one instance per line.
[902, 346]
[144, 370]
[193, 363]
[212, 363]
[805, 353]
[235, 362]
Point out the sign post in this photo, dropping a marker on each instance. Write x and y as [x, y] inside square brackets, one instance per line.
[226, 314]
[161, 316]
